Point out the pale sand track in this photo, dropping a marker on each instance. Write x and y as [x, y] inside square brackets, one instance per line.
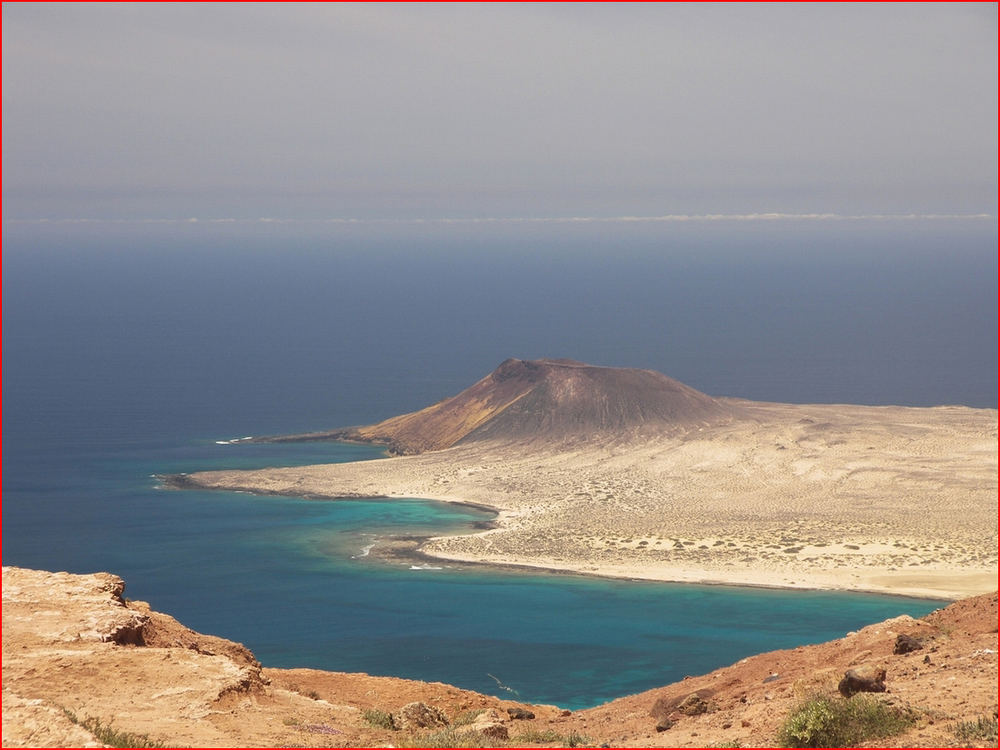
[892, 499]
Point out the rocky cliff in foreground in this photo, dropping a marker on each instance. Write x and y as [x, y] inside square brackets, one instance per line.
[79, 658]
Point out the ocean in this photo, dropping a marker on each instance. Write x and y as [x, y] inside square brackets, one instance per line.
[130, 351]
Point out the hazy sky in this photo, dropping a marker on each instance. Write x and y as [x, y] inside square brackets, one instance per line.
[142, 111]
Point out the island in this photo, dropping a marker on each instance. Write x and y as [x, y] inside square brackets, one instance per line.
[628, 473]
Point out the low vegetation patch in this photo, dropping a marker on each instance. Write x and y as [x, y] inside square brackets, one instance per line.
[456, 737]
[110, 736]
[450, 737]
[533, 735]
[983, 729]
[840, 722]
[538, 736]
[467, 717]
[378, 718]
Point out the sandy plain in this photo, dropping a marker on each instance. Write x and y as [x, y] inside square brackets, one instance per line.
[888, 499]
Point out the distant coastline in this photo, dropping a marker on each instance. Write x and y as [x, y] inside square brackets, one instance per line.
[187, 482]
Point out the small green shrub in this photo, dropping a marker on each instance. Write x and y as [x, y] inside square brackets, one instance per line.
[983, 729]
[377, 718]
[313, 694]
[808, 725]
[575, 739]
[110, 736]
[836, 722]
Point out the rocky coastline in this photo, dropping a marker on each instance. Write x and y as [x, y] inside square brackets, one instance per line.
[83, 665]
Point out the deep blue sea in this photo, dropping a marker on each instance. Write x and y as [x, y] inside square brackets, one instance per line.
[129, 351]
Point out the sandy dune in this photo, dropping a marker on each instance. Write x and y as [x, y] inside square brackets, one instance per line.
[890, 499]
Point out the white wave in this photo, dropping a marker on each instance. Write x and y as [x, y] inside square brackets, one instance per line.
[364, 551]
[446, 220]
[426, 567]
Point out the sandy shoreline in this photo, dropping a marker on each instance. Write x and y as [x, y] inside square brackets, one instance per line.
[891, 500]
[408, 550]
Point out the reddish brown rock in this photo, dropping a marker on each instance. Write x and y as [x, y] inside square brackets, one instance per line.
[862, 680]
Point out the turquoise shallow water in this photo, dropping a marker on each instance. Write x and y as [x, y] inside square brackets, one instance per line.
[290, 578]
[125, 361]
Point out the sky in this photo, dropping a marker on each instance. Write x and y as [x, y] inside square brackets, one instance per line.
[506, 112]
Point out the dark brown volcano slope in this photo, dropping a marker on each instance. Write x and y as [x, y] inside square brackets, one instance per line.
[545, 399]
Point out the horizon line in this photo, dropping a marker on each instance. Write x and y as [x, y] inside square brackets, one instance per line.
[663, 218]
